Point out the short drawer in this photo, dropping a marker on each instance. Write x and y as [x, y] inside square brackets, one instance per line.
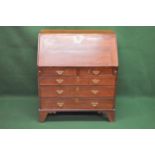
[80, 91]
[96, 71]
[58, 71]
[56, 80]
[76, 103]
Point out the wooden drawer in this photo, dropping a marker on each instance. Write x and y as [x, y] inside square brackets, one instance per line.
[56, 80]
[80, 91]
[96, 71]
[58, 71]
[76, 103]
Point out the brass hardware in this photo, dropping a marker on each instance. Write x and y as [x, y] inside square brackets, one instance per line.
[59, 80]
[78, 79]
[95, 81]
[60, 72]
[94, 104]
[95, 72]
[59, 91]
[94, 91]
[60, 104]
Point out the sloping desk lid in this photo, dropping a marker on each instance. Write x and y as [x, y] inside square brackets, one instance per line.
[77, 48]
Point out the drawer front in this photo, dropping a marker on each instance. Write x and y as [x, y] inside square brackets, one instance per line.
[108, 80]
[76, 103]
[95, 71]
[80, 91]
[58, 71]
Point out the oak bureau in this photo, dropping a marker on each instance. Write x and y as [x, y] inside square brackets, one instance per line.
[77, 71]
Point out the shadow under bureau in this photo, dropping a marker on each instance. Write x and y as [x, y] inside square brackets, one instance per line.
[77, 71]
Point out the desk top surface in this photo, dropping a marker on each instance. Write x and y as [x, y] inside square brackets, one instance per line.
[77, 48]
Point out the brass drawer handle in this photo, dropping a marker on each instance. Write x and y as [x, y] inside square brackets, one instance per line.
[95, 81]
[59, 80]
[59, 91]
[94, 91]
[94, 104]
[60, 72]
[60, 104]
[95, 72]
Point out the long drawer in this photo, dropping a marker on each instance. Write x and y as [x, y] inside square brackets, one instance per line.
[56, 80]
[80, 91]
[80, 71]
[76, 103]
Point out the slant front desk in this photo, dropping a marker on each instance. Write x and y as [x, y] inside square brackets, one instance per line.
[77, 71]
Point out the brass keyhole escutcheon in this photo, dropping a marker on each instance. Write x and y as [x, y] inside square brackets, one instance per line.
[59, 80]
[77, 79]
[59, 72]
[60, 104]
[59, 91]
